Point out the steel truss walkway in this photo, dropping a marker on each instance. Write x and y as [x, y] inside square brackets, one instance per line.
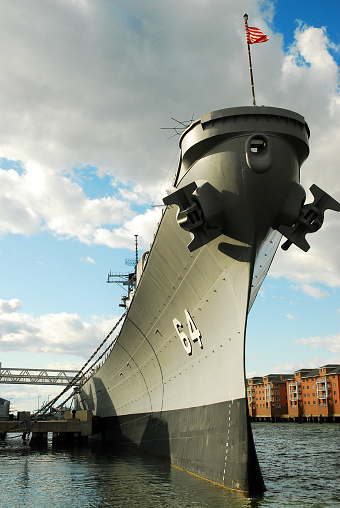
[37, 376]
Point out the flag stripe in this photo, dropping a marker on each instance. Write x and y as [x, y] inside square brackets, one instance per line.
[254, 35]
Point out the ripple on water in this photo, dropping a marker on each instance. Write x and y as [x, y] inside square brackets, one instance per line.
[300, 465]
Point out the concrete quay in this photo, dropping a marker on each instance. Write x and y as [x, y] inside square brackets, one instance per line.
[75, 427]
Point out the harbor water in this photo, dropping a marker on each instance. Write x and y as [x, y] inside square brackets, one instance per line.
[300, 465]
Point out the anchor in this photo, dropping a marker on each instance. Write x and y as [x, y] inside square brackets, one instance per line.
[310, 219]
[190, 216]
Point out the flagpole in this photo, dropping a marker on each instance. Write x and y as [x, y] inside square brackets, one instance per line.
[245, 16]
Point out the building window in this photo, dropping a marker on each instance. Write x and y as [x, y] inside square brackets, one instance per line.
[313, 401]
[333, 384]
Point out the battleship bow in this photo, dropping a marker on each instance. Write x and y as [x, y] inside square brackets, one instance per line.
[173, 385]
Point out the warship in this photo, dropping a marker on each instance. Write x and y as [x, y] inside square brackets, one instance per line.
[173, 385]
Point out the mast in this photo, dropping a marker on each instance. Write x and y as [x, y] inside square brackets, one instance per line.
[136, 247]
[245, 16]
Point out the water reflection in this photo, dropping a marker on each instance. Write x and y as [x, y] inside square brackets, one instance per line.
[102, 476]
[98, 476]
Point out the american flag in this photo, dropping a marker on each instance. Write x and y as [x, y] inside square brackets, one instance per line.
[255, 35]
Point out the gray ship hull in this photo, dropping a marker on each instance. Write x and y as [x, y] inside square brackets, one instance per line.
[173, 385]
[214, 442]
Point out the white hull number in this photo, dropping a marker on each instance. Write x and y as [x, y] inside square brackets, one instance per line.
[194, 332]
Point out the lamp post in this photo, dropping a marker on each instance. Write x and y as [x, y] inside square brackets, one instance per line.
[38, 401]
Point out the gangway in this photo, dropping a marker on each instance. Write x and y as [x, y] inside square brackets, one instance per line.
[55, 377]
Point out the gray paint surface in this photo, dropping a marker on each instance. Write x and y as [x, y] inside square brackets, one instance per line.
[242, 162]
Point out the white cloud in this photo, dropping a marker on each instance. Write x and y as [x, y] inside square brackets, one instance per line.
[290, 316]
[320, 265]
[26, 397]
[40, 198]
[313, 291]
[311, 79]
[96, 89]
[7, 306]
[91, 84]
[50, 333]
[289, 367]
[292, 366]
[67, 365]
[310, 54]
[331, 343]
[88, 259]
[17, 215]
[310, 290]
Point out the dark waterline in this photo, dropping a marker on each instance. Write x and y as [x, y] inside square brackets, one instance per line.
[300, 465]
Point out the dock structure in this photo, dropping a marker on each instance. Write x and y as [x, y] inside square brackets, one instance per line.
[75, 427]
[58, 377]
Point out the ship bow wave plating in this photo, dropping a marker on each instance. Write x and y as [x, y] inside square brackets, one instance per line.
[174, 384]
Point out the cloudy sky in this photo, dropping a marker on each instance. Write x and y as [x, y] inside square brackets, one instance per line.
[86, 88]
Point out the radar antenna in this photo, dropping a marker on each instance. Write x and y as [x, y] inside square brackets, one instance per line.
[126, 279]
[180, 127]
[133, 261]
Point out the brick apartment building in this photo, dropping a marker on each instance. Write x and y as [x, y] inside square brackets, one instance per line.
[267, 396]
[314, 393]
[308, 394]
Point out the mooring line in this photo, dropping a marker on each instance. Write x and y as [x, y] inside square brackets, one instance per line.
[80, 374]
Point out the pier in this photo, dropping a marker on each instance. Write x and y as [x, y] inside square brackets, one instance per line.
[75, 427]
